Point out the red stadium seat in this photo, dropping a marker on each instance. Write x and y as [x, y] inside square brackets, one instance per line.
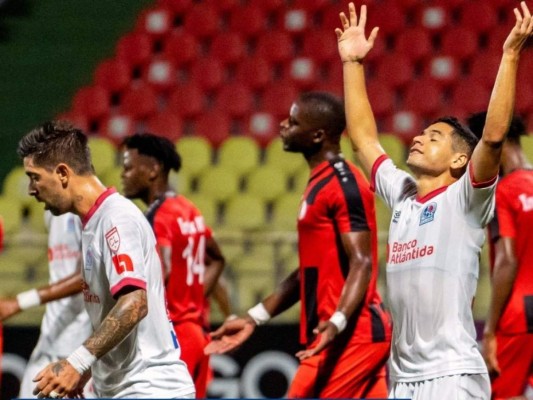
[117, 127]
[484, 67]
[224, 5]
[295, 20]
[405, 124]
[335, 88]
[91, 101]
[524, 99]
[161, 74]
[135, 48]
[389, 18]
[478, 15]
[235, 99]
[181, 47]
[395, 70]
[214, 126]
[423, 97]
[268, 5]
[166, 124]
[407, 4]
[80, 121]
[276, 46]
[202, 20]
[178, 6]
[156, 21]
[459, 42]
[228, 47]
[263, 127]
[113, 75]
[207, 73]
[302, 71]
[277, 99]
[320, 45]
[312, 5]
[434, 16]
[415, 43]
[443, 69]
[496, 37]
[187, 101]
[248, 20]
[139, 101]
[470, 96]
[381, 98]
[254, 72]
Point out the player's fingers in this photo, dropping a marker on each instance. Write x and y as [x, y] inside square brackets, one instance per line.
[525, 9]
[362, 16]
[353, 14]
[373, 35]
[338, 32]
[218, 333]
[518, 18]
[344, 20]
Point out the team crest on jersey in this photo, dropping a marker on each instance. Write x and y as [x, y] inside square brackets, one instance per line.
[71, 224]
[396, 216]
[428, 214]
[113, 240]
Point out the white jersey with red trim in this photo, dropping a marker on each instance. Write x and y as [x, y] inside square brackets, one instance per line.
[65, 323]
[119, 250]
[432, 271]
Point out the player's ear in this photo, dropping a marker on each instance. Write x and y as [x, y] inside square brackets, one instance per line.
[63, 172]
[459, 161]
[319, 135]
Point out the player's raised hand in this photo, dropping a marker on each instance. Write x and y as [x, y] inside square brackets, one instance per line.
[230, 336]
[56, 380]
[521, 31]
[327, 332]
[353, 45]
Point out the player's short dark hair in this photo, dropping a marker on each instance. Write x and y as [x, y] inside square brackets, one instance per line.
[476, 123]
[463, 138]
[57, 142]
[158, 147]
[328, 109]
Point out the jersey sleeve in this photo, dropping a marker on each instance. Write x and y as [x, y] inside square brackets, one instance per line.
[475, 199]
[162, 229]
[347, 205]
[505, 214]
[123, 253]
[391, 183]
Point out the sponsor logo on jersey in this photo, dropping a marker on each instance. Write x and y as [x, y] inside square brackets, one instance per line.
[527, 202]
[339, 166]
[88, 296]
[113, 240]
[400, 252]
[428, 213]
[89, 260]
[62, 252]
[396, 216]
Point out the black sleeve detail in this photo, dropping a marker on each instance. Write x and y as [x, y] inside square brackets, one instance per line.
[316, 189]
[311, 306]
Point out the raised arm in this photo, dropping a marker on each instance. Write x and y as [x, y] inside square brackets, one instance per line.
[487, 154]
[360, 122]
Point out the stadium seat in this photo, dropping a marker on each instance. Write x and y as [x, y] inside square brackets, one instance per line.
[381, 97]
[207, 207]
[113, 178]
[302, 71]
[196, 154]
[275, 156]
[235, 99]
[10, 214]
[181, 182]
[77, 119]
[135, 49]
[450, 38]
[300, 180]
[478, 15]
[224, 5]
[443, 69]
[346, 148]
[214, 126]
[434, 16]
[15, 186]
[276, 46]
[320, 45]
[113, 74]
[496, 37]
[263, 127]
[228, 47]
[181, 47]
[405, 44]
[218, 183]
[266, 183]
[484, 67]
[293, 20]
[285, 212]
[186, 101]
[248, 20]
[103, 154]
[390, 18]
[524, 99]
[470, 97]
[527, 142]
[239, 154]
[395, 70]
[178, 6]
[394, 147]
[254, 72]
[161, 74]
[139, 101]
[268, 5]
[91, 101]
[202, 21]
[36, 217]
[277, 99]
[252, 288]
[405, 124]
[155, 21]
[117, 126]
[207, 73]
[166, 124]
[423, 96]
[383, 217]
[244, 212]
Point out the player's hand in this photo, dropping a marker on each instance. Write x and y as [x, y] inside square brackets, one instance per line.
[522, 29]
[230, 336]
[77, 393]
[57, 379]
[8, 308]
[353, 45]
[489, 349]
[327, 332]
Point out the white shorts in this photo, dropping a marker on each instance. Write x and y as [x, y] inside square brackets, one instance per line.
[453, 387]
[35, 365]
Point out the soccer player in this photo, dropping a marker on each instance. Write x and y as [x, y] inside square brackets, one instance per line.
[133, 351]
[65, 323]
[191, 257]
[437, 225]
[508, 333]
[343, 325]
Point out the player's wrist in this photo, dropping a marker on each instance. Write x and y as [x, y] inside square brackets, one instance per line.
[81, 359]
[259, 314]
[28, 299]
[339, 320]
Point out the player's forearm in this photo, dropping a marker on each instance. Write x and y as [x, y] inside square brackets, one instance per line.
[129, 310]
[356, 285]
[285, 296]
[66, 287]
[221, 297]
[213, 271]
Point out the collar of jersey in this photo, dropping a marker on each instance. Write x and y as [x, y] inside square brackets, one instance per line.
[108, 192]
[431, 194]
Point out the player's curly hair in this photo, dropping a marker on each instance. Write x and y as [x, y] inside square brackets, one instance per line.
[476, 123]
[56, 142]
[158, 147]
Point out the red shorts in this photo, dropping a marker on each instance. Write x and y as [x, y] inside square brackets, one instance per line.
[515, 357]
[192, 340]
[357, 370]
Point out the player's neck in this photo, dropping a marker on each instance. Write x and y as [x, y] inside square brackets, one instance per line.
[159, 189]
[514, 159]
[426, 184]
[327, 154]
[88, 190]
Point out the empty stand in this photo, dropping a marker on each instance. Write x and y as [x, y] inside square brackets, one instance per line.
[423, 96]
[275, 47]
[214, 126]
[139, 101]
[187, 100]
[181, 47]
[196, 154]
[277, 99]
[135, 49]
[267, 183]
[478, 15]
[239, 154]
[263, 127]
[228, 47]
[91, 101]
[207, 73]
[415, 43]
[444, 69]
[235, 99]
[103, 154]
[254, 72]
[289, 162]
[248, 20]
[218, 183]
[156, 21]
[166, 124]
[202, 20]
[244, 212]
[161, 74]
[113, 75]
[470, 96]
[460, 42]
[117, 126]
[285, 212]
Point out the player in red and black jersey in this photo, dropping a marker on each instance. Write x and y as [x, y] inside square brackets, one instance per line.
[508, 333]
[191, 257]
[344, 328]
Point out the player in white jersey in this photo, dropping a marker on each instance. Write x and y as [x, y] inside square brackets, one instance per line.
[65, 323]
[132, 351]
[436, 230]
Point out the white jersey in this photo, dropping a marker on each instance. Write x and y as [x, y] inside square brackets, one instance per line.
[65, 324]
[119, 250]
[432, 271]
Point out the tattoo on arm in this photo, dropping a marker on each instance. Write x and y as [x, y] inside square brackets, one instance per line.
[121, 320]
